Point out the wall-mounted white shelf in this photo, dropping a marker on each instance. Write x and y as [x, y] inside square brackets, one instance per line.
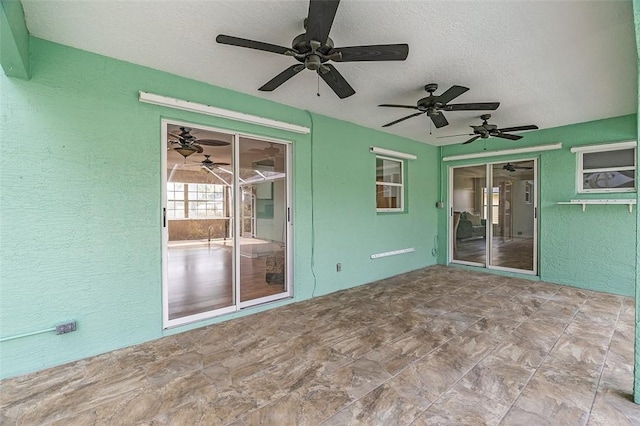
[584, 202]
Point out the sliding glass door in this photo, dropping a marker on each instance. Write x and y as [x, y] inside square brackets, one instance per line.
[493, 215]
[469, 215]
[225, 223]
[263, 179]
[513, 221]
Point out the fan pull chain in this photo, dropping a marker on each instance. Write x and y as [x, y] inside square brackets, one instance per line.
[318, 92]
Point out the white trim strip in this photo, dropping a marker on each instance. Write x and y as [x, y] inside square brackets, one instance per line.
[605, 147]
[538, 148]
[180, 104]
[391, 153]
[391, 253]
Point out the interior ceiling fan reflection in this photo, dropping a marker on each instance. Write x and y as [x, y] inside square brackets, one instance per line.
[512, 168]
[270, 151]
[187, 144]
[209, 164]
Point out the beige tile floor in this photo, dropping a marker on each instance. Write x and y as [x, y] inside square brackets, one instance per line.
[438, 346]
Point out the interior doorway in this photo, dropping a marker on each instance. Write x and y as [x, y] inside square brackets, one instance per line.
[226, 228]
[493, 216]
[248, 212]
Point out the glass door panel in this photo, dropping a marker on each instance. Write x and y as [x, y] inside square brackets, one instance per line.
[469, 213]
[263, 239]
[199, 260]
[512, 215]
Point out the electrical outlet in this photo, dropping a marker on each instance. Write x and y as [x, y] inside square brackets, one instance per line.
[67, 327]
[338, 267]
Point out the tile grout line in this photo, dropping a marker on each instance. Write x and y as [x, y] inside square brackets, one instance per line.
[544, 359]
[604, 362]
[409, 365]
[479, 361]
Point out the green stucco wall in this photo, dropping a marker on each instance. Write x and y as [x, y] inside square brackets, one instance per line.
[595, 249]
[636, 387]
[80, 181]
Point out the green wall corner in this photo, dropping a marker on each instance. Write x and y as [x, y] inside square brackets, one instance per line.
[14, 40]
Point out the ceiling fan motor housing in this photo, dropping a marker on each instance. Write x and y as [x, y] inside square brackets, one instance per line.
[312, 59]
[425, 104]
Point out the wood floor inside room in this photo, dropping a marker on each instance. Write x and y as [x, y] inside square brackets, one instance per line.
[437, 346]
[201, 274]
[516, 253]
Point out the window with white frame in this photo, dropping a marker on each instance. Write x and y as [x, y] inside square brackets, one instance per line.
[389, 184]
[175, 200]
[606, 168]
[195, 200]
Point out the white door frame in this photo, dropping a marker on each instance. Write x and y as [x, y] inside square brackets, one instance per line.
[489, 227]
[169, 323]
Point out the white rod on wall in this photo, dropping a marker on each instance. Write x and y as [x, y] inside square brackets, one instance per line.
[606, 146]
[183, 105]
[392, 253]
[391, 153]
[504, 152]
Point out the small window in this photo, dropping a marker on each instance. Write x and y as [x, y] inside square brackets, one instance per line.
[389, 185]
[607, 169]
[195, 200]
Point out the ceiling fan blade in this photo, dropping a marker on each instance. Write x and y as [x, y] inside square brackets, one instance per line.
[471, 140]
[477, 106]
[507, 136]
[439, 120]
[212, 142]
[320, 19]
[452, 93]
[379, 52]
[336, 81]
[398, 106]
[252, 44]
[402, 119]
[519, 128]
[455, 136]
[285, 75]
[198, 147]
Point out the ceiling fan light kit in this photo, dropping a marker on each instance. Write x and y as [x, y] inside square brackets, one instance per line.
[189, 144]
[185, 151]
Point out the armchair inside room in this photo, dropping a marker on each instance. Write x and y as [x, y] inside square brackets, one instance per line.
[471, 226]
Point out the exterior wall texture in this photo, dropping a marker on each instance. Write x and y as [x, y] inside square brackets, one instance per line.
[80, 205]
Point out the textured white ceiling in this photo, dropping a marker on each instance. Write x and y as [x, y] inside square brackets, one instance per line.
[548, 63]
